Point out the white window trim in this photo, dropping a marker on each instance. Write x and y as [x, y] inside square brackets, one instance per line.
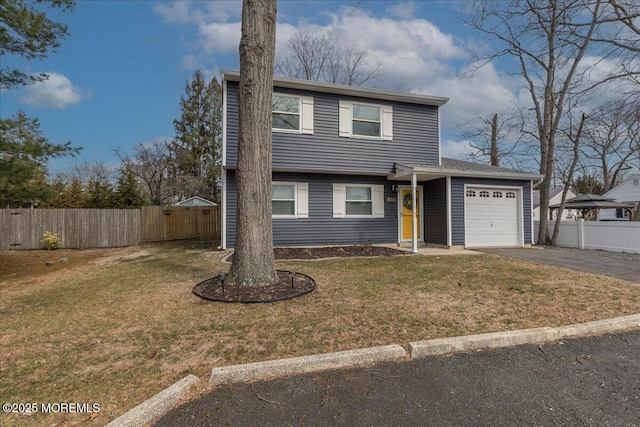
[300, 201]
[340, 200]
[346, 121]
[305, 114]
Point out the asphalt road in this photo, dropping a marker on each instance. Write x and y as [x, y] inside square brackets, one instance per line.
[615, 264]
[579, 382]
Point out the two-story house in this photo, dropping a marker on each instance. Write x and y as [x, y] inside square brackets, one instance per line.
[350, 163]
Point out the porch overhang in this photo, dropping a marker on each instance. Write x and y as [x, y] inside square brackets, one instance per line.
[404, 172]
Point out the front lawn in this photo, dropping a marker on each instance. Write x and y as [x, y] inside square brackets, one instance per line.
[116, 326]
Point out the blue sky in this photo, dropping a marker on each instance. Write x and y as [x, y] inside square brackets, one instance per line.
[117, 78]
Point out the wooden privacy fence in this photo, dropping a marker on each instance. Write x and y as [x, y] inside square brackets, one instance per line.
[163, 223]
[99, 228]
[76, 228]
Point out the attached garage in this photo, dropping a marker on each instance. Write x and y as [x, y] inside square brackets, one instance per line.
[472, 206]
[493, 216]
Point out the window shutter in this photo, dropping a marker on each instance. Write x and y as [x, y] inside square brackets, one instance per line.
[378, 201]
[307, 115]
[303, 200]
[338, 200]
[345, 118]
[387, 122]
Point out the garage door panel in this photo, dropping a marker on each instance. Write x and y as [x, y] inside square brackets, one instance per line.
[491, 217]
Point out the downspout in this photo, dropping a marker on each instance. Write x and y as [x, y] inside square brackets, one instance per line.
[223, 169]
[414, 209]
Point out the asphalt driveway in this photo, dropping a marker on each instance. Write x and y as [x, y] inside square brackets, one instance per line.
[615, 264]
[578, 382]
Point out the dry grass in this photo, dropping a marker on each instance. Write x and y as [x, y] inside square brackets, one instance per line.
[116, 326]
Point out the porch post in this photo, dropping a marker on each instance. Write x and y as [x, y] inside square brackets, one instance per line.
[414, 222]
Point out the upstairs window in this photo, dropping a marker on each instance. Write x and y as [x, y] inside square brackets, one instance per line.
[366, 121]
[292, 113]
[286, 112]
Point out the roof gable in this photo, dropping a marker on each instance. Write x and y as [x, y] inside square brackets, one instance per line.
[626, 191]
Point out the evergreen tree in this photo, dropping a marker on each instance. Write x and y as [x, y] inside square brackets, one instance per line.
[197, 144]
[28, 33]
[128, 194]
[67, 196]
[24, 153]
[588, 184]
[100, 194]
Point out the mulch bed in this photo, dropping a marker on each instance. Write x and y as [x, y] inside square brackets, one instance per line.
[333, 252]
[291, 285]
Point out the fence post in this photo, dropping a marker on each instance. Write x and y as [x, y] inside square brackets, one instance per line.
[581, 233]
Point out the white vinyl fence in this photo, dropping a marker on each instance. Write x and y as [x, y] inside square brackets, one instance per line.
[609, 236]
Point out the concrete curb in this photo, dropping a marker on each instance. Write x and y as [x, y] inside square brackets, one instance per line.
[156, 406]
[306, 364]
[442, 346]
[161, 402]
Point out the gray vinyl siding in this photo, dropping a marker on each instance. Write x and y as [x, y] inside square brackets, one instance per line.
[435, 211]
[321, 228]
[415, 138]
[457, 205]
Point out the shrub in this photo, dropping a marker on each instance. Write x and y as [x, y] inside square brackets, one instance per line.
[50, 240]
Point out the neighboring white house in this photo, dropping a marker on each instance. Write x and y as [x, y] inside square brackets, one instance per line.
[626, 192]
[555, 196]
[196, 201]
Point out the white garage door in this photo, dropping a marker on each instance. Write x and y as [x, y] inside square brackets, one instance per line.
[491, 217]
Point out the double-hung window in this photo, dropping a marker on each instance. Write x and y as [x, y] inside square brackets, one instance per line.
[283, 199]
[290, 199]
[358, 201]
[286, 112]
[366, 121]
[291, 113]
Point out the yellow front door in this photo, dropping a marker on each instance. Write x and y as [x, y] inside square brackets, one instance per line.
[407, 215]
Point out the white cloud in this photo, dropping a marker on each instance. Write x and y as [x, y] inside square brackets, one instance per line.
[484, 91]
[55, 92]
[404, 10]
[220, 37]
[179, 12]
[455, 149]
[186, 12]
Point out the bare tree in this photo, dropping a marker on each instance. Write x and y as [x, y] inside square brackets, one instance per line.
[548, 41]
[253, 262]
[496, 136]
[151, 164]
[574, 137]
[323, 58]
[612, 140]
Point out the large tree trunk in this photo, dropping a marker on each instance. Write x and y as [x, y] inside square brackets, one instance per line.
[253, 263]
